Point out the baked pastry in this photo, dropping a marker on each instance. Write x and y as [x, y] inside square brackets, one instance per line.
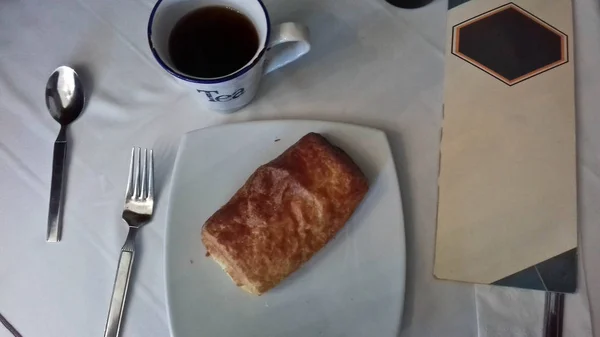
[286, 211]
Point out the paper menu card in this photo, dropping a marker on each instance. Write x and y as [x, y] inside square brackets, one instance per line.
[507, 211]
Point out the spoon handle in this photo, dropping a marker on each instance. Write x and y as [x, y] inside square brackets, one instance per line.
[56, 187]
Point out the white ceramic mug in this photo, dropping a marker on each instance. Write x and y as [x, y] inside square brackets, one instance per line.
[233, 91]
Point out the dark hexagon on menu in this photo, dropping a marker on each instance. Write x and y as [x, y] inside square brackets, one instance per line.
[510, 44]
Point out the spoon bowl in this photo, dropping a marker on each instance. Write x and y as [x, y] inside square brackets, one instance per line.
[64, 95]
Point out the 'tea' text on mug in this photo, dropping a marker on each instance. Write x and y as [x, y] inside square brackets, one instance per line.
[212, 95]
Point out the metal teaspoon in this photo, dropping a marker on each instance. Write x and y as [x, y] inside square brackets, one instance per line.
[65, 100]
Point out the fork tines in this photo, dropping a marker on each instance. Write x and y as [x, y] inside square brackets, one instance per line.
[140, 185]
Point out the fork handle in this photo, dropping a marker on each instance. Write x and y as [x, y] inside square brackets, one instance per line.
[119, 294]
[553, 317]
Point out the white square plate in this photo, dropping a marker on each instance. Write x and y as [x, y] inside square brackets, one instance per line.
[353, 287]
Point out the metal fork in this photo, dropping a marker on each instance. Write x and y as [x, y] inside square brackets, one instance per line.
[139, 204]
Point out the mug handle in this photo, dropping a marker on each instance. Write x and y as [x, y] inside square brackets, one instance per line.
[295, 36]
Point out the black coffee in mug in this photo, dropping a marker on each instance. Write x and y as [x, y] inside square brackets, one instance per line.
[410, 3]
[212, 42]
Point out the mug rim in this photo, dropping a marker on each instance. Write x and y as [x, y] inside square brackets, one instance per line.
[225, 78]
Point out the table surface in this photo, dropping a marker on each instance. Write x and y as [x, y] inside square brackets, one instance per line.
[371, 64]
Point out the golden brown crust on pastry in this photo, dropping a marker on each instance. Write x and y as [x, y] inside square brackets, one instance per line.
[286, 211]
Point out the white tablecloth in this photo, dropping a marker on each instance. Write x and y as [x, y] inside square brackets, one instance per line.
[371, 64]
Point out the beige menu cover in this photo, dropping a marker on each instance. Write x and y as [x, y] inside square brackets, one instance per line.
[507, 180]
